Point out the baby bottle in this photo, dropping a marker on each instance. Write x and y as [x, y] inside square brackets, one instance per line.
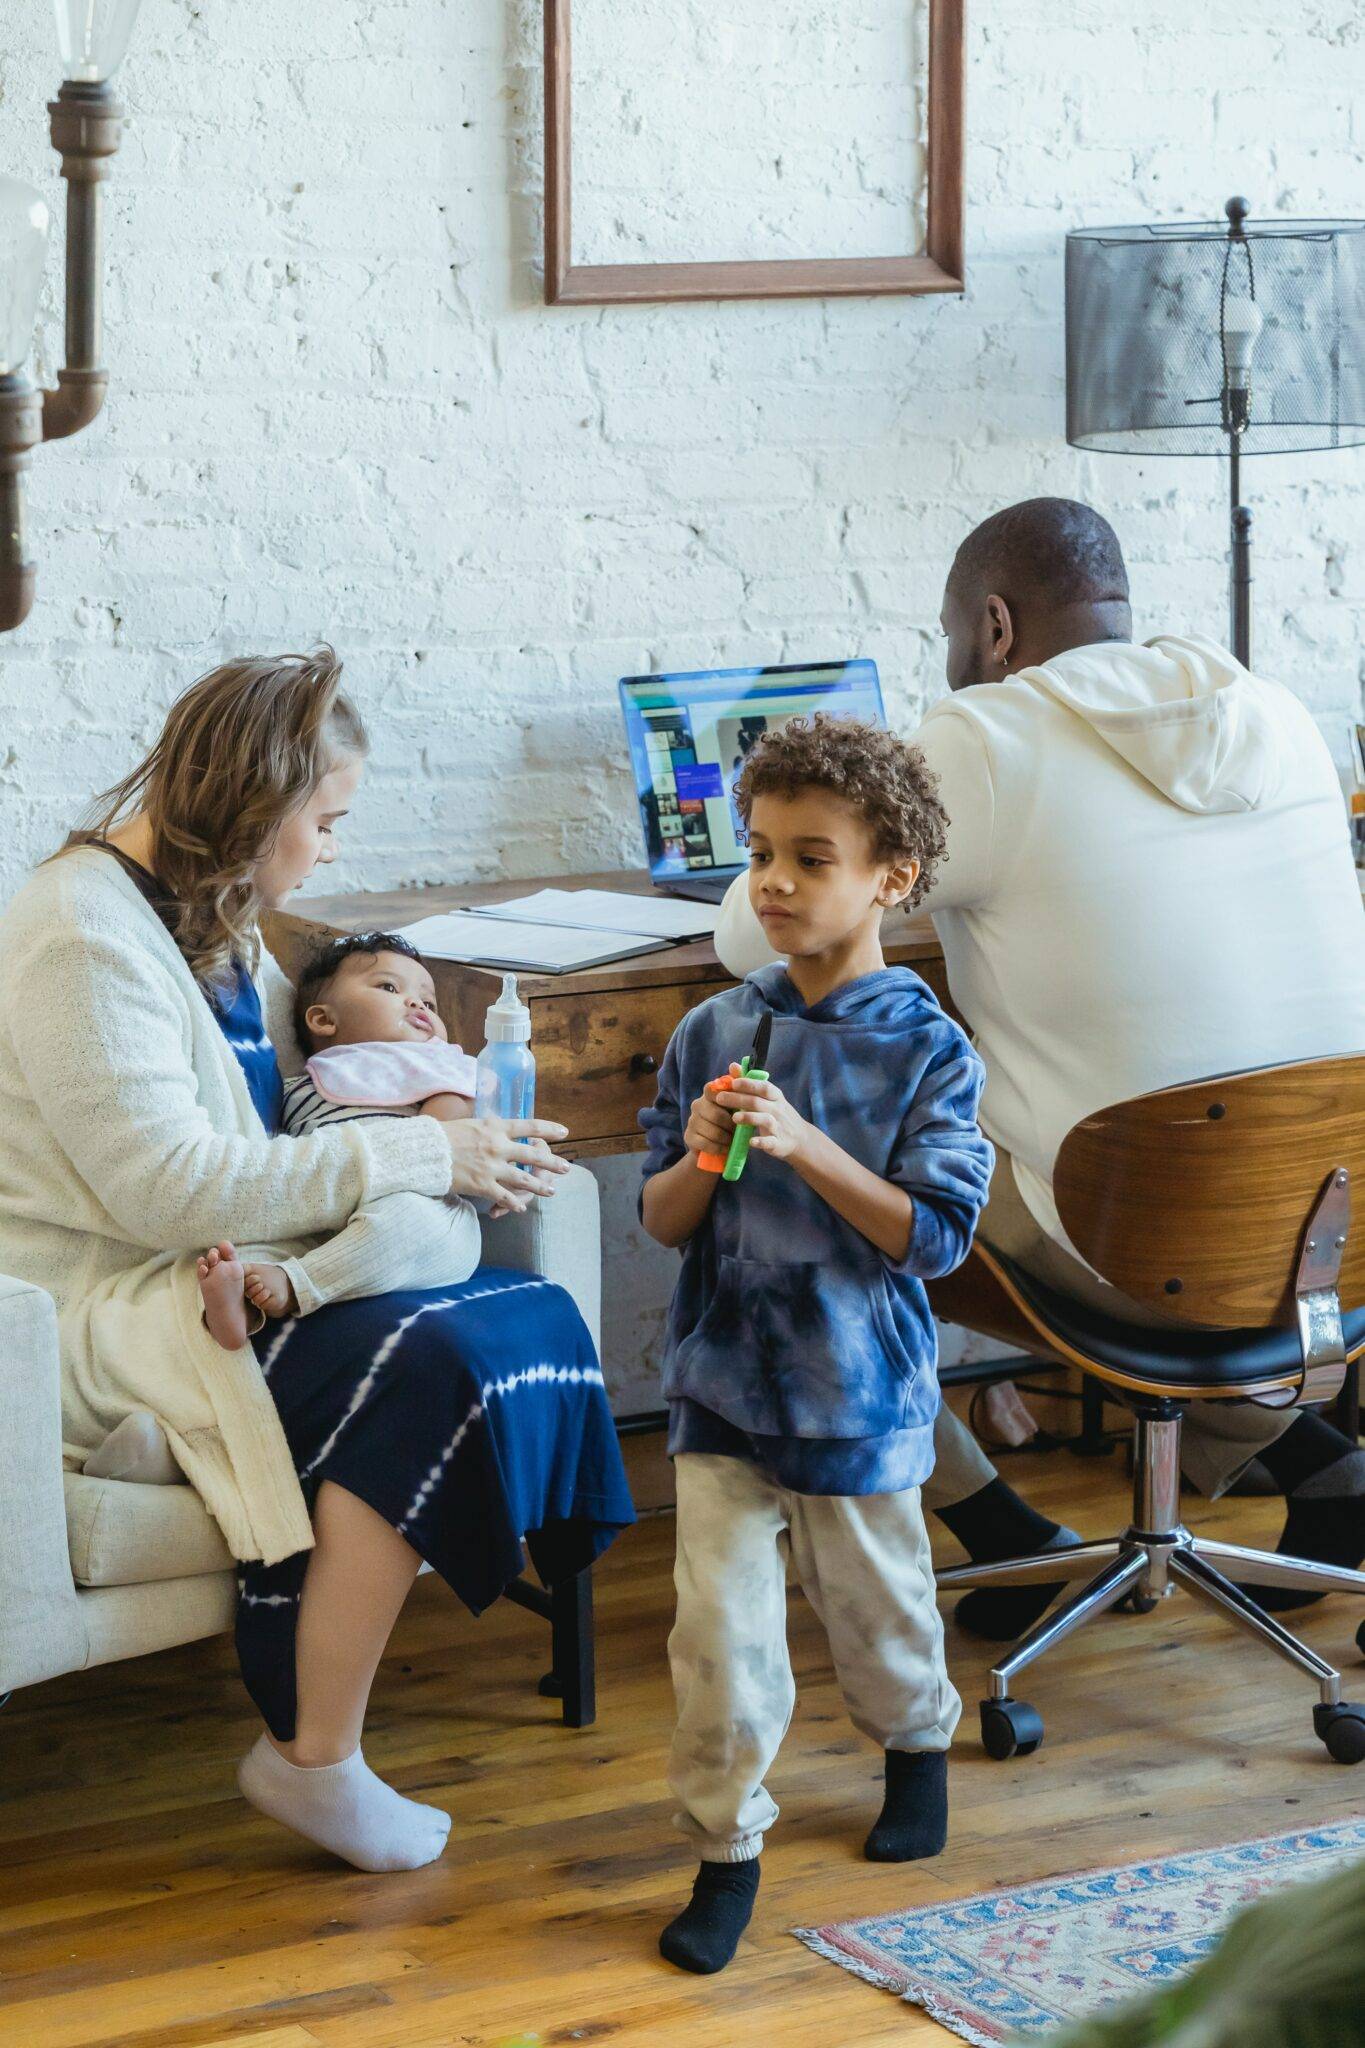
[506, 1068]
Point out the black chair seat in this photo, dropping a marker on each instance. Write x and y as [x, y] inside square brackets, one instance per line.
[1177, 1358]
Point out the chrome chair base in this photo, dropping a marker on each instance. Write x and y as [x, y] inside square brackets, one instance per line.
[1155, 1554]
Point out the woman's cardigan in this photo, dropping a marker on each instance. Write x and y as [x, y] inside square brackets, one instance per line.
[128, 1143]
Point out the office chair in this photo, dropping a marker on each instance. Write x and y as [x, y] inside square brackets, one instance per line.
[1225, 1204]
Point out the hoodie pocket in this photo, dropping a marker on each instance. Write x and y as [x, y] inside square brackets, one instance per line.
[796, 1348]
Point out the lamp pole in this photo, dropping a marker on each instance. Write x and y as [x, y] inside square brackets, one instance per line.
[1239, 325]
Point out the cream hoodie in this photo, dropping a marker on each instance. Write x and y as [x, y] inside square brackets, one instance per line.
[1149, 881]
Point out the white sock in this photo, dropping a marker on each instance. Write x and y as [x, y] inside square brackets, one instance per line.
[345, 1808]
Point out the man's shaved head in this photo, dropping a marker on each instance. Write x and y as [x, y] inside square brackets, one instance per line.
[1030, 582]
[1044, 554]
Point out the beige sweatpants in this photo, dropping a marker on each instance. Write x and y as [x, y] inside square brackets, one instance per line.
[1219, 1438]
[865, 1568]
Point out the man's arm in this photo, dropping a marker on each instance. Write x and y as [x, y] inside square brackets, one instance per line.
[740, 941]
[954, 749]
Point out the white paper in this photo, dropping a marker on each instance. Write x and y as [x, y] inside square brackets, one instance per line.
[612, 910]
[532, 948]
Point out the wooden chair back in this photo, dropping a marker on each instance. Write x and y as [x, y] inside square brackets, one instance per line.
[1194, 1200]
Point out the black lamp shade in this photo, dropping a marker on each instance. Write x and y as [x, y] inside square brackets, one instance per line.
[1144, 307]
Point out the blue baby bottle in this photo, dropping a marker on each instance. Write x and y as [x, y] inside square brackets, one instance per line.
[506, 1066]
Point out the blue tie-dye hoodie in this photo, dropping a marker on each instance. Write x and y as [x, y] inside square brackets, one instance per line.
[787, 1322]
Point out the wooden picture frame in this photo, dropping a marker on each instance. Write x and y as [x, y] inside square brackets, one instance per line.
[938, 269]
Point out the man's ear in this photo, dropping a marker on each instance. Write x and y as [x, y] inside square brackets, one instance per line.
[1001, 635]
[898, 882]
[320, 1021]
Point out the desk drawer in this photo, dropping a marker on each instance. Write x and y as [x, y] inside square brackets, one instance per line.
[598, 1055]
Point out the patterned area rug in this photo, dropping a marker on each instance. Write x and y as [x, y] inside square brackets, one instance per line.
[1022, 1962]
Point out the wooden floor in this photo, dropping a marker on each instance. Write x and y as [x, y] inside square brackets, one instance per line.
[141, 1902]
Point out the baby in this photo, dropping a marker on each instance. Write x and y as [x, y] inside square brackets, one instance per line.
[366, 1012]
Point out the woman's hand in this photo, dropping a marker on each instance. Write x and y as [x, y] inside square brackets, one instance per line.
[777, 1128]
[505, 1163]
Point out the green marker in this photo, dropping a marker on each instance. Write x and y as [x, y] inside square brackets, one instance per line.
[753, 1067]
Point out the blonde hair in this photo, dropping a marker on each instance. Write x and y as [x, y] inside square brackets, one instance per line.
[240, 752]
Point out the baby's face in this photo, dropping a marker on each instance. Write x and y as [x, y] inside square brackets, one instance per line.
[377, 998]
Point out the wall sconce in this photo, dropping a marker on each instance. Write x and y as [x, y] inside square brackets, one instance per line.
[86, 124]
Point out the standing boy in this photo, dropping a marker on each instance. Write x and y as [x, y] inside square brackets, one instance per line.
[800, 1361]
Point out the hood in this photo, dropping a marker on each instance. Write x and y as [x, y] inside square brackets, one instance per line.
[888, 997]
[1188, 717]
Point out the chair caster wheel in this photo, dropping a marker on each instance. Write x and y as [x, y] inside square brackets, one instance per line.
[1137, 1603]
[551, 1686]
[1342, 1728]
[1010, 1728]
[1360, 1639]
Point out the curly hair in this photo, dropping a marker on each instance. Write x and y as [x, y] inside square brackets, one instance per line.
[885, 780]
[321, 968]
[241, 751]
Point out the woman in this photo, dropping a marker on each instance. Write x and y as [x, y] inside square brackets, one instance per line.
[139, 1023]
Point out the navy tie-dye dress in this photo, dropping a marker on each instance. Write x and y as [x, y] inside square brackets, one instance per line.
[469, 1417]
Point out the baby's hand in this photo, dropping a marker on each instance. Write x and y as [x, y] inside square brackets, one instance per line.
[270, 1289]
[448, 1109]
[709, 1127]
[777, 1128]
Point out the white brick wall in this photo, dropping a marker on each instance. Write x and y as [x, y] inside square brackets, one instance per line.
[339, 407]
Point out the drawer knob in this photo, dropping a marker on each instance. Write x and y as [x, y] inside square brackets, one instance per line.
[642, 1063]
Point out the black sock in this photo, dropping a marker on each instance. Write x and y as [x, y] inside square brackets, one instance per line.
[995, 1522]
[1322, 1476]
[990, 1524]
[706, 1933]
[913, 1821]
[1307, 1447]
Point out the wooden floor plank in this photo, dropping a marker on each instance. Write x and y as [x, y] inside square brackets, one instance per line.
[143, 1906]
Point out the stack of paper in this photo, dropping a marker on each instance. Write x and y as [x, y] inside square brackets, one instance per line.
[612, 910]
[492, 941]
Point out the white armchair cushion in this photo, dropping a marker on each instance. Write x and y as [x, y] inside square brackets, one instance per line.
[559, 1238]
[122, 1533]
[41, 1631]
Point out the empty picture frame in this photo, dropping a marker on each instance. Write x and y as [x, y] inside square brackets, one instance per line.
[939, 268]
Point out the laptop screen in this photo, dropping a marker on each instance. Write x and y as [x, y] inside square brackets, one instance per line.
[688, 735]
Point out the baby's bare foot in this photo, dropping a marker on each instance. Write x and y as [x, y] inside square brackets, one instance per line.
[221, 1284]
[270, 1289]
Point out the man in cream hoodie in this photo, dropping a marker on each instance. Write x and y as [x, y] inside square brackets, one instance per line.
[1149, 880]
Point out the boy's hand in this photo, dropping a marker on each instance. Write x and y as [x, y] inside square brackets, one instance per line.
[777, 1128]
[709, 1128]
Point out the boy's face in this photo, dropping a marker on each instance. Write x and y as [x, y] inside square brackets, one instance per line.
[814, 879]
[376, 998]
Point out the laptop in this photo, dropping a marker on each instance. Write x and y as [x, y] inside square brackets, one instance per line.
[688, 736]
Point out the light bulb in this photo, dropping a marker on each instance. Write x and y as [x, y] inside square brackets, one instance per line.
[23, 254]
[1242, 324]
[92, 36]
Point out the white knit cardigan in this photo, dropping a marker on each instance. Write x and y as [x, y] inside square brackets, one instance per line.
[129, 1142]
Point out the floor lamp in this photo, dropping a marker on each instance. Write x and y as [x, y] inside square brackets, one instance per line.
[1205, 338]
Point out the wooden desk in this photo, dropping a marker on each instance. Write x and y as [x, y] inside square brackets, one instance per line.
[598, 1037]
